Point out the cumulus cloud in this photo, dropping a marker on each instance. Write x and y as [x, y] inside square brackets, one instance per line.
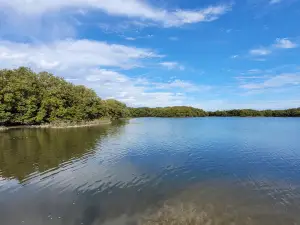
[284, 43]
[101, 66]
[172, 65]
[133, 91]
[129, 8]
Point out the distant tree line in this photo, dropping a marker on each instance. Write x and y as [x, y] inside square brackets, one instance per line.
[182, 111]
[36, 98]
[176, 111]
[255, 113]
[27, 98]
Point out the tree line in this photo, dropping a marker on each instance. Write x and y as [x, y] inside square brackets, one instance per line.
[175, 111]
[183, 111]
[29, 98]
[257, 113]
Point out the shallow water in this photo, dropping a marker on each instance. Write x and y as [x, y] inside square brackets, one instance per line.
[245, 170]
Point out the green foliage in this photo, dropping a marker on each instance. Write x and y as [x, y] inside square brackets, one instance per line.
[30, 98]
[176, 111]
[255, 113]
[182, 111]
[116, 109]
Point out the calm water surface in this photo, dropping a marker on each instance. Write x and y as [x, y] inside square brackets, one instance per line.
[246, 169]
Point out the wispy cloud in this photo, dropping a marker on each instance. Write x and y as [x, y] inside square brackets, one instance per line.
[254, 71]
[254, 104]
[185, 86]
[72, 53]
[130, 8]
[101, 66]
[245, 78]
[138, 37]
[274, 82]
[234, 56]
[130, 38]
[260, 51]
[208, 14]
[172, 65]
[280, 43]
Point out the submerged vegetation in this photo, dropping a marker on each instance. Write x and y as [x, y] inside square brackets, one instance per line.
[29, 98]
[180, 214]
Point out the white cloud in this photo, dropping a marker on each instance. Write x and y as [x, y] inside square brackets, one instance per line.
[208, 14]
[274, 82]
[254, 71]
[138, 37]
[172, 65]
[272, 2]
[71, 54]
[134, 92]
[280, 43]
[186, 86]
[255, 104]
[260, 51]
[36, 28]
[284, 43]
[98, 65]
[130, 38]
[129, 8]
[243, 78]
[182, 84]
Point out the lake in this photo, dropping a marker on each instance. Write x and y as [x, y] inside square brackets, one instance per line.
[228, 170]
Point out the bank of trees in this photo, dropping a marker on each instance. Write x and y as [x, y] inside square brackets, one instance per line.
[27, 97]
[182, 111]
[255, 113]
[36, 98]
[176, 111]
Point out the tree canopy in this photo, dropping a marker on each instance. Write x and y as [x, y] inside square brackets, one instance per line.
[254, 113]
[36, 98]
[176, 111]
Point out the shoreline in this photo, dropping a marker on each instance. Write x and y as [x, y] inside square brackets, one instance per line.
[60, 125]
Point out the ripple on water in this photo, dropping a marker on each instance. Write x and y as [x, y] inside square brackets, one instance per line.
[235, 168]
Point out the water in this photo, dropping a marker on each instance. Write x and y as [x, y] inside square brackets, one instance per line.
[241, 170]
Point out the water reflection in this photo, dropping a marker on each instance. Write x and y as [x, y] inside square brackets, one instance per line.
[118, 174]
[25, 151]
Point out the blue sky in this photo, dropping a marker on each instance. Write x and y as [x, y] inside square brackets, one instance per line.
[207, 54]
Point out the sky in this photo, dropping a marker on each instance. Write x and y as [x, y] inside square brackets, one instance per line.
[221, 54]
